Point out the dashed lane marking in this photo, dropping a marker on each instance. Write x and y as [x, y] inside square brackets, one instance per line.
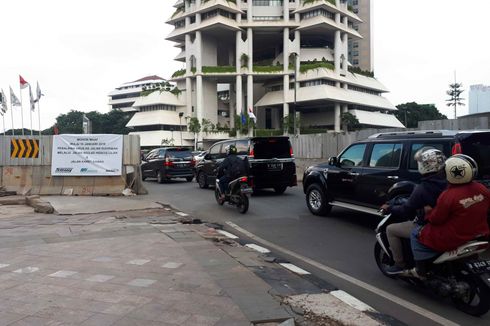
[227, 234]
[295, 269]
[351, 301]
[260, 249]
[181, 214]
[368, 287]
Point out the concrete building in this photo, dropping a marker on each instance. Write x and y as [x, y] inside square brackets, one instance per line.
[479, 99]
[276, 58]
[124, 96]
[361, 50]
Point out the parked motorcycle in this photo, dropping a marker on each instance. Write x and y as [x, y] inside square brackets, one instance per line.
[459, 274]
[237, 194]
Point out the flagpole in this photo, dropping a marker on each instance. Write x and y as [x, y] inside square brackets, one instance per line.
[21, 110]
[3, 118]
[39, 114]
[12, 114]
[30, 113]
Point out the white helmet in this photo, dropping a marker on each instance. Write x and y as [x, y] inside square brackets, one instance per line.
[461, 169]
[429, 160]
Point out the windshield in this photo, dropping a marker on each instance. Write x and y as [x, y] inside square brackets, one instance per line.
[477, 146]
[274, 147]
[179, 154]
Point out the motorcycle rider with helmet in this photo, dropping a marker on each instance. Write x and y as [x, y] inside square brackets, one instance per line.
[231, 168]
[430, 163]
[459, 216]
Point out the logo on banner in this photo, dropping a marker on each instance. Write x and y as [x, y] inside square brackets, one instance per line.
[64, 170]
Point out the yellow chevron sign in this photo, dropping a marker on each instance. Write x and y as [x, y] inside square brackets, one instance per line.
[24, 148]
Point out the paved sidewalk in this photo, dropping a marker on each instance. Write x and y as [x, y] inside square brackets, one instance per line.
[123, 268]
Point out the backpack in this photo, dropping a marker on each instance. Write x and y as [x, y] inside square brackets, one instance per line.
[238, 168]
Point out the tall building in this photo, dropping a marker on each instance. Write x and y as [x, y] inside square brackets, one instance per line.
[361, 50]
[124, 96]
[479, 99]
[277, 58]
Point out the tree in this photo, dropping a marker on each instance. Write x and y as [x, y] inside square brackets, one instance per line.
[349, 121]
[411, 113]
[455, 98]
[195, 127]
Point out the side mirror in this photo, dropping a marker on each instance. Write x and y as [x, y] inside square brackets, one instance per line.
[207, 157]
[333, 161]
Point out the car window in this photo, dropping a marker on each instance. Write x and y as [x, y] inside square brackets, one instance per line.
[161, 153]
[178, 153]
[214, 151]
[242, 147]
[444, 147]
[271, 147]
[386, 155]
[151, 155]
[222, 153]
[353, 156]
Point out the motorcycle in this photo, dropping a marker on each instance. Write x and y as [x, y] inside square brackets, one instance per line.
[459, 274]
[237, 194]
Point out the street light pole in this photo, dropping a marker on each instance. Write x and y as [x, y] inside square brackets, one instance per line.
[181, 114]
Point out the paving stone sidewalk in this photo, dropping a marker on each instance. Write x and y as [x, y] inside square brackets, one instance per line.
[125, 268]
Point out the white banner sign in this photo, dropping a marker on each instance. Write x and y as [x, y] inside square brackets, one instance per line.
[87, 155]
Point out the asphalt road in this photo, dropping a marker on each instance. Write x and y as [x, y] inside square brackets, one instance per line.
[343, 241]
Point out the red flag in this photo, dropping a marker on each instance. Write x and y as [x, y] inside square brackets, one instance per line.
[23, 83]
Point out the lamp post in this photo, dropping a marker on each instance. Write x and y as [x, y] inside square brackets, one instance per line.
[181, 114]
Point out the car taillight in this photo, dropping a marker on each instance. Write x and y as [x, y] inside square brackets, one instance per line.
[456, 149]
[168, 163]
[243, 179]
[291, 151]
[251, 153]
[193, 162]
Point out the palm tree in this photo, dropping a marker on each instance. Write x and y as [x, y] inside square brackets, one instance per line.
[455, 98]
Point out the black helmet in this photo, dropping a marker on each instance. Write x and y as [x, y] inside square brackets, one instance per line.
[231, 149]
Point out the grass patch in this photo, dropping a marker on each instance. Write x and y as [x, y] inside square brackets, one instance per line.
[267, 68]
[304, 67]
[178, 73]
[218, 69]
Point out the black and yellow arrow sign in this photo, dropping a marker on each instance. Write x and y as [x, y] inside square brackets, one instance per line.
[24, 148]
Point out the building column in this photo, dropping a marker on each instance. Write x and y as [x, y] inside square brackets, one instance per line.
[250, 11]
[239, 96]
[345, 52]
[286, 11]
[188, 80]
[199, 102]
[285, 58]
[337, 117]
[337, 45]
[250, 78]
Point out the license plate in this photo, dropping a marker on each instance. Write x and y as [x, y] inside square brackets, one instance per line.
[246, 190]
[481, 266]
[274, 166]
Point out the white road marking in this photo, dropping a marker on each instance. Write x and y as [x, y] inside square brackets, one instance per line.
[351, 301]
[404, 303]
[4, 265]
[27, 270]
[295, 269]
[138, 262]
[63, 274]
[260, 249]
[100, 278]
[172, 265]
[182, 214]
[227, 234]
[141, 282]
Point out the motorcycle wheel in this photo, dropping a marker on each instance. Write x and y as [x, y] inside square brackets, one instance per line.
[242, 206]
[382, 260]
[476, 301]
[217, 197]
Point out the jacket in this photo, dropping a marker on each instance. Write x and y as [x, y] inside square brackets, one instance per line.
[425, 193]
[460, 216]
[231, 167]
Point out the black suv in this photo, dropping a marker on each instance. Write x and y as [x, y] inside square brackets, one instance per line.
[167, 163]
[360, 177]
[271, 162]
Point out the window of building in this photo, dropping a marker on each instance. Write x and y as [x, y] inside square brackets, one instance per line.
[179, 24]
[355, 53]
[158, 107]
[355, 45]
[267, 3]
[317, 12]
[267, 18]
[355, 62]
[316, 82]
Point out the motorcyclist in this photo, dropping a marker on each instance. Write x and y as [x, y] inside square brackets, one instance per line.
[430, 162]
[231, 168]
[459, 216]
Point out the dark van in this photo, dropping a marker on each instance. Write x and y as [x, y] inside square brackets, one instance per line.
[168, 163]
[271, 162]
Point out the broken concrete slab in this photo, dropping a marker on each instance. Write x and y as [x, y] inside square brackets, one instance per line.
[13, 200]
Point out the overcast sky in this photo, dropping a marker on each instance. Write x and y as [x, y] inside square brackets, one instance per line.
[81, 50]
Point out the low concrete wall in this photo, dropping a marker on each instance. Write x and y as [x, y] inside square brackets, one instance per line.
[33, 176]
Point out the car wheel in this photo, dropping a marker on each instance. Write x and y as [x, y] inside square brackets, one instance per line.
[189, 179]
[160, 177]
[316, 200]
[202, 180]
[143, 178]
[280, 189]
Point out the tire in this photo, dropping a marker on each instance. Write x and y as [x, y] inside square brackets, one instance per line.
[217, 197]
[202, 180]
[243, 205]
[189, 179]
[143, 178]
[316, 200]
[477, 300]
[160, 177]
[280, 189]
[382, 260]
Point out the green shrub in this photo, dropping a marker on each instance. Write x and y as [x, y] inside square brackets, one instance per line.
[178, 73]
[218, 69]
[359, 71]
[304, 67]
[267, 132]
[267, 68]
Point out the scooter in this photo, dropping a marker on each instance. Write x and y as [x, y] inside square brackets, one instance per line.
[237, 194]
[459, 274]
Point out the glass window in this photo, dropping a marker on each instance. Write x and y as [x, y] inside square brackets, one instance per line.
[386, 155]
[416, 146]
[214, 151]
[353, 156]
[242, 147]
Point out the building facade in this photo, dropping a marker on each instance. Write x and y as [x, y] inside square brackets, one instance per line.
[278, 59]
[479, 99]
[361, 50]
